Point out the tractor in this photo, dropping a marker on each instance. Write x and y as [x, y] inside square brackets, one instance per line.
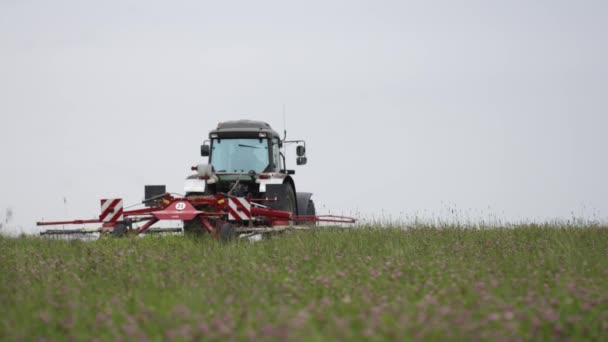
[247, 159]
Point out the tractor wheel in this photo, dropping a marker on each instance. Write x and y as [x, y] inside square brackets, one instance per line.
[290, 201]
[311, 211]
[286, 197]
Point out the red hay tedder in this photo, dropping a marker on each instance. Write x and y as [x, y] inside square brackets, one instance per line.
[223, 216]
[245, 189]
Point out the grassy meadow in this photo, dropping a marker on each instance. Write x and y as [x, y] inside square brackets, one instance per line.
[522, 283]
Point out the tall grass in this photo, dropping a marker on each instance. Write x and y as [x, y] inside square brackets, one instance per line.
[529, 282]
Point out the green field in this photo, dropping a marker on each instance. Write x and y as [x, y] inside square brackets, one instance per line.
[529, 282]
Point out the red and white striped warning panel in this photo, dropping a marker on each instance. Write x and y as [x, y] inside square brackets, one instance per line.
[239, 209]
[111, 210]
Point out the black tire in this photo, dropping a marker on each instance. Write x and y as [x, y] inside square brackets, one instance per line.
[119, 230]
[286, 198]
[311, 211]
[290, 200]
[227, 232]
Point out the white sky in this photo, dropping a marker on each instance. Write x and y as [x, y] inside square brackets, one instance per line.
[493, 108]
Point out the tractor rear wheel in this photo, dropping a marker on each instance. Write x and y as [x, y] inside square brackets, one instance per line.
[311, 211]
[286, 198]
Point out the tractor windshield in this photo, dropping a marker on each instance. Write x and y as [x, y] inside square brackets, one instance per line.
[239, 155]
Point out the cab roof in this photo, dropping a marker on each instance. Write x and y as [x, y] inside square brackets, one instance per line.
[243, 129]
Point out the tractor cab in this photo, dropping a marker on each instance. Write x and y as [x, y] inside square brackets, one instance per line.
[245, 150]
[244, 157]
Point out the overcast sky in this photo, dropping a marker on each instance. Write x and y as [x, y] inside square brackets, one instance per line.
[492, 108]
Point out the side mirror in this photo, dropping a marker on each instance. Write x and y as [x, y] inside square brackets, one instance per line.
[301, 160]
[205, 150]
[301, 151]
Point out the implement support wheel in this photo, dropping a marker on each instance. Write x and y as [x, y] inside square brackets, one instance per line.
[227, 232]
